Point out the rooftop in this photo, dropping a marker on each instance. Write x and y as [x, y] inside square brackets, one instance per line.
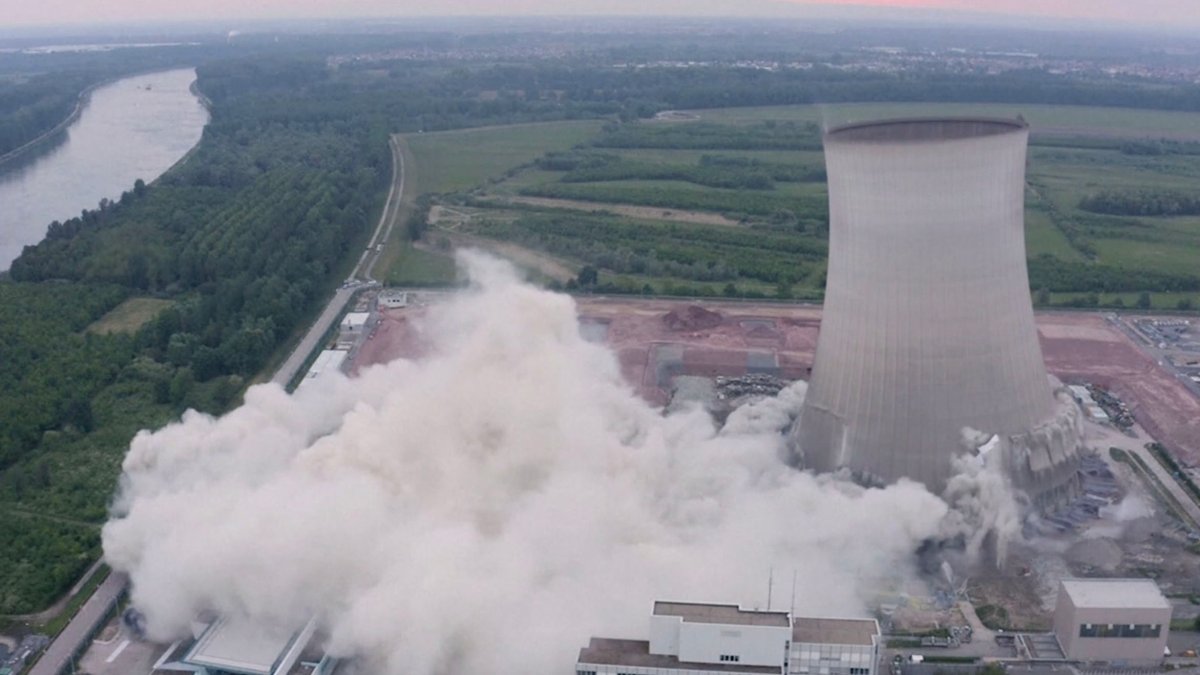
[239, 648]
[1115, 593]
[726, 614]
[924, 129]
[835, 631]
[609, 652]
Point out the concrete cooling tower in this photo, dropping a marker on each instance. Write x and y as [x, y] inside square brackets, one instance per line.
[927, 348]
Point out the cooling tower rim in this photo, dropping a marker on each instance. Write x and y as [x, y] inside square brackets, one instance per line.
[924, 129]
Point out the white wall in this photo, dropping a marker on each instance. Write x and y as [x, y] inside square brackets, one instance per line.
[753, 645]
[664, 635]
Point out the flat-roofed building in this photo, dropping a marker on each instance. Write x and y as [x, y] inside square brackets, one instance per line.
[224, 647]
[694, 638]
[1120, 621]
[354, 322]
[691, 638]
[393, 299]
[328, 361]
[707, 633]
[834, 646]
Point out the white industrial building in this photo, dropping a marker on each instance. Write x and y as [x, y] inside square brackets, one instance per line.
[834, 646]
[328, 361]
[354, 322]
[1119, 621]
[694, 638]
[223, 647]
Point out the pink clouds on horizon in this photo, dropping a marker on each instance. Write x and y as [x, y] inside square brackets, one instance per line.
[15, 12]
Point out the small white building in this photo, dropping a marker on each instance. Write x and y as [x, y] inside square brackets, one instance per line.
[223, 647]
[694, 638]
[393, 299]
[1119, 621]
[328, 361]
[834, 646]
[354, 322]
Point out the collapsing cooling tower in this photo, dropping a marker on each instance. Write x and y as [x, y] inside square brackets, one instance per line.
[928, 348]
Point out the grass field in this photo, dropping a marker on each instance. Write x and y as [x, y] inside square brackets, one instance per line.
[418, 267]
[450, 161]
[129, 316]
[640, 173]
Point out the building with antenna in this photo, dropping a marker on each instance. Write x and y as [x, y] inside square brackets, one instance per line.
[928, 349]
[689, 638]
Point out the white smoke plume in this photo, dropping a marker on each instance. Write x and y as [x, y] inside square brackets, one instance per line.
[490, 506]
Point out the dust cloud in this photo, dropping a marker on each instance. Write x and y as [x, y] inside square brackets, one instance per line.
[491, 506]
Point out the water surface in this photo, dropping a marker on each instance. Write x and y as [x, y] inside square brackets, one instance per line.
[134, 128]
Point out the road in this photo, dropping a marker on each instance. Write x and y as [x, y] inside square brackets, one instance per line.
[82, 627]
[1110, 437]
[360, 278]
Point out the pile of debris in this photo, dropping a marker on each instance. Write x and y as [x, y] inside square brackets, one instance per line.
[755, 384]
[693, 317]
[1098, 489]
[1116, 409]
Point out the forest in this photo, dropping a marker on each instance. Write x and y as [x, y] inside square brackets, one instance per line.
[1142, 203]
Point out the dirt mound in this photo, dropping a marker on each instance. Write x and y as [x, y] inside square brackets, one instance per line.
[692, 317]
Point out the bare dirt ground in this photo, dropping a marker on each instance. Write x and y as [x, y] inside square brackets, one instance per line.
[630, 210]
[1087, 347]
[1077, 347]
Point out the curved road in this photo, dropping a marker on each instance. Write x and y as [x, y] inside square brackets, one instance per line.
[359, 278]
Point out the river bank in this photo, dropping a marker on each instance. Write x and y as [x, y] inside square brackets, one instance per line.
[137, 127]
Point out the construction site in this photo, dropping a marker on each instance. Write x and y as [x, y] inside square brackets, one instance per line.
[1127, 520]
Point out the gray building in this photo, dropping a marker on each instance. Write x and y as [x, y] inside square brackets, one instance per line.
[928, 347]
[834, 646]
[1123, 621]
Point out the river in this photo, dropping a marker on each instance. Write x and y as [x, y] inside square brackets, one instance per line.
[137, 127]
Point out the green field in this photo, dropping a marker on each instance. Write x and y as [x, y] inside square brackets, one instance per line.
[450, 161]
[731, 163]
[419, 267]
[129, 316]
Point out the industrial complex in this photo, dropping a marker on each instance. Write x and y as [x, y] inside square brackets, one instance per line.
[927, 350]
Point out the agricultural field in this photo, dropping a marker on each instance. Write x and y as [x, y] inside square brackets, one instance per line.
[734, 203]
[450, 161]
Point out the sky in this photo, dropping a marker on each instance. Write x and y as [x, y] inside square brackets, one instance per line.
[1177, 13]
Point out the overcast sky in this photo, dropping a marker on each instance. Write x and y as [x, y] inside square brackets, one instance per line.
[1176, 13]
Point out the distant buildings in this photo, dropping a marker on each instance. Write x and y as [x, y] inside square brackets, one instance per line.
[1121, 621]
[696, 638]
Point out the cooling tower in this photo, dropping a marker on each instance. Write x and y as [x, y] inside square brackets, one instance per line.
[927, 347]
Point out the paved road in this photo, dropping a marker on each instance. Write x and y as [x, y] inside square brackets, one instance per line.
[361, 274]
[1110, 437]
[82, 627]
